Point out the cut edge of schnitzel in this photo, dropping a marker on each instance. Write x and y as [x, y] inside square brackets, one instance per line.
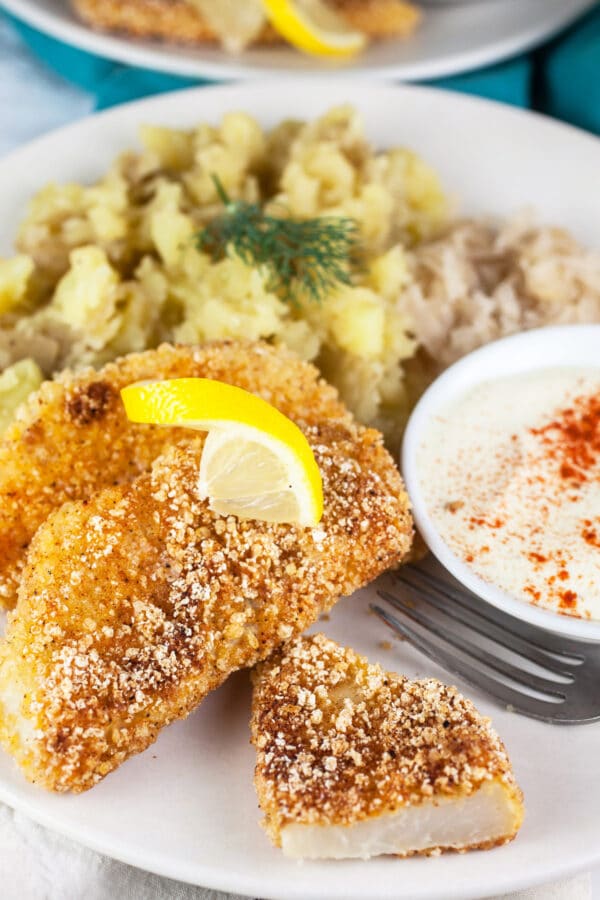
[354, 761]
[72, 437]
[139, 600]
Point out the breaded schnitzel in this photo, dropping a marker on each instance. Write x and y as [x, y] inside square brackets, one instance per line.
[354, 761]
[73, 437]
[138, 601]
[182, 20]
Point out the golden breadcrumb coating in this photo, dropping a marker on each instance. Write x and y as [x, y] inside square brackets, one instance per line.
[379, 18]
[73, 437]
[180, 21]
[138, 601]
[340, 740]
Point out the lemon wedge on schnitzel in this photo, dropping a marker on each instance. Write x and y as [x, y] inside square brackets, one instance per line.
[256, 463]
[313, 27]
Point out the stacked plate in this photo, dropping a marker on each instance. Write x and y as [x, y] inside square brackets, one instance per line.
[453, 37]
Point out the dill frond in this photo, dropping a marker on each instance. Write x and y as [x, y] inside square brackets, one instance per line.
[304, 258]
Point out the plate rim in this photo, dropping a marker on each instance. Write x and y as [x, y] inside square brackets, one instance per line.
[220, 878]
[251, 886]
[141, 55]
[290, 82]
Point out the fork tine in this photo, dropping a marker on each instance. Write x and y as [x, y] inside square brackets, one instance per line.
[527, 679]
[525, 636]
[511, 698]
[502, 635]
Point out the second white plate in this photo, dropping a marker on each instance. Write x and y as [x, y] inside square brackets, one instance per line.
[451, 39]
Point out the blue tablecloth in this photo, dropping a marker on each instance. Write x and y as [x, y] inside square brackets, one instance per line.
[561, 78]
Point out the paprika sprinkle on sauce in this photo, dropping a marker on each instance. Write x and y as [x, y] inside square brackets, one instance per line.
[511, 475]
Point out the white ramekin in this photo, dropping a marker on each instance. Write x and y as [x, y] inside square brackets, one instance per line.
[568, 345]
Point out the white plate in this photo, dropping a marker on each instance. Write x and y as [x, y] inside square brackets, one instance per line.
[567, 345]
[451, 39]
[186, 807]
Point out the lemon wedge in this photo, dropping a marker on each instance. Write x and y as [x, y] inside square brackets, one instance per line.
[256, 463]
[312, 26]
[236, 22]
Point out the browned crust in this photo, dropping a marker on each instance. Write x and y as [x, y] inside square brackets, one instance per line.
[340, 740]
[72, 437]
[380, 18]
[139, 600]
[178, 21]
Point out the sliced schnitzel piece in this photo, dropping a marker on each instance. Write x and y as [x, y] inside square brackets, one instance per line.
[72, 437]
[182, 20]
[353, 761]
[138, 601]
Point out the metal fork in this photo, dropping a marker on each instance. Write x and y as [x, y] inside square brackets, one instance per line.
[452, 627]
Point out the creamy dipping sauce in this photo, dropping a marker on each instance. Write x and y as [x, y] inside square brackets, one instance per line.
[510, 473]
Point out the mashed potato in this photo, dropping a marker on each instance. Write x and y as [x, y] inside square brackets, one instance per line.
[16, 383]
[113, 268]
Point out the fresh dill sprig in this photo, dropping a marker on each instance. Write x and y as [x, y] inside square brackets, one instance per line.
[304, 258]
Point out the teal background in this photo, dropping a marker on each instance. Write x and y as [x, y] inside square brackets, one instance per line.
[561, 78]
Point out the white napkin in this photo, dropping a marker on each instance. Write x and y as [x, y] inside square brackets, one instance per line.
[578, 888]
[32, 99]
